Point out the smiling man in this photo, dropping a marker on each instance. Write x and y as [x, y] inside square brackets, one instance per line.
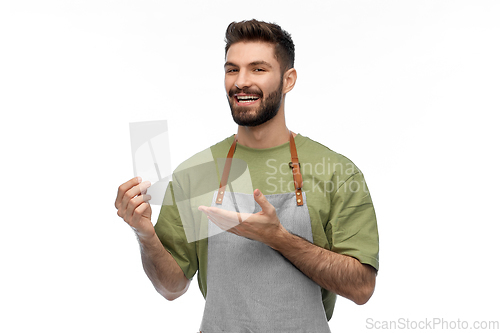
[248, 105]
[276, 257]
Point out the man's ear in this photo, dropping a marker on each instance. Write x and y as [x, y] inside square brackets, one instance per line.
[289, 79]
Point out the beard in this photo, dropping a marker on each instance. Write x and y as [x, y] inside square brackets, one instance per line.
[268, 109]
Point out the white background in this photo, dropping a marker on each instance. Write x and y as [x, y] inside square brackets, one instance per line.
[406, 89]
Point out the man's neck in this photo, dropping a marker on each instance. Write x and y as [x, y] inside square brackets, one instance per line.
[270, 134]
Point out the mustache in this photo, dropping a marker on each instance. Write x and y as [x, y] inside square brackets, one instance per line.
[235, 90]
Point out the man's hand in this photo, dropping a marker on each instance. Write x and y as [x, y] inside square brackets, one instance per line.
[133, 207]
[159, 265]
[341, 274]
[262, 226]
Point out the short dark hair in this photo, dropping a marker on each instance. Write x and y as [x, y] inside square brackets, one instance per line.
[254, 30]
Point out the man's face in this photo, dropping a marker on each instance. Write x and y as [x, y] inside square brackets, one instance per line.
[253, 81]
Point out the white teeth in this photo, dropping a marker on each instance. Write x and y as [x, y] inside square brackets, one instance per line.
[247, 98]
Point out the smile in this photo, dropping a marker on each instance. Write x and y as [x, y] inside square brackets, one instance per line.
[246, 99]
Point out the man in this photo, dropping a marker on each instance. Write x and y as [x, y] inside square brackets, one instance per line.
[271, 259]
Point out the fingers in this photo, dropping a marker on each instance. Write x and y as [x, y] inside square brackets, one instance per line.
[224, 221]
[133, 192]
[267, 208]
[222, 214]
[123, 188]
[222, 218]
[132, 197]
[136, 207]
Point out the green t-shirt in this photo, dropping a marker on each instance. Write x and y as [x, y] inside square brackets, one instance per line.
[340, 207]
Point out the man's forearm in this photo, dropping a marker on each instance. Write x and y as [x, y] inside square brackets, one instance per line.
[341, 274]
[162, 269]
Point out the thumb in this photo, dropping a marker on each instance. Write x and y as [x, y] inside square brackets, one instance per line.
[267, 208]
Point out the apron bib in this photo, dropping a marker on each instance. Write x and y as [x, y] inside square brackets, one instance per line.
[252, 288]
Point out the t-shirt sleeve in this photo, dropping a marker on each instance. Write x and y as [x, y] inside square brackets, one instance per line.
[353, 224]
[170, 231]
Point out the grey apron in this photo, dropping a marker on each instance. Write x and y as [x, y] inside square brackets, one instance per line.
[252, 288]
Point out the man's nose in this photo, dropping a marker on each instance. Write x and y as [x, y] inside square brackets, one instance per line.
[243, 80]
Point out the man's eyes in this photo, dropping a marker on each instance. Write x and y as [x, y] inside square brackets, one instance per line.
[234, 70]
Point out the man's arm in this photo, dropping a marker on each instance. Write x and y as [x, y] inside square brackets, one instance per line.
[162, 269]
[159, 265]
[341, 274]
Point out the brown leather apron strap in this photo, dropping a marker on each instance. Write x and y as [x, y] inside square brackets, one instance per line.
[294, 164]
[225, 173]
[297, 177]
